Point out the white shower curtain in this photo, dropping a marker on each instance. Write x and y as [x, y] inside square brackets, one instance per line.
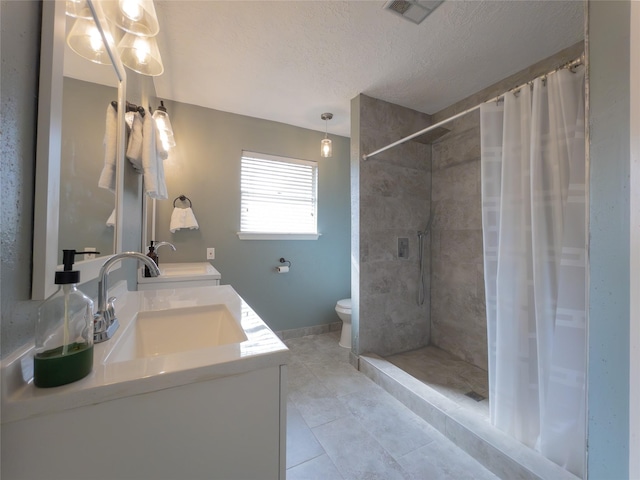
[533, 218]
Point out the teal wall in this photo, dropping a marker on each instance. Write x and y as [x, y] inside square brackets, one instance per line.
[205, 167]
[608, 373]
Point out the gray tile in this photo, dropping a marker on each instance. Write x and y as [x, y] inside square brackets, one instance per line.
[320, 468]
[339, 377]
[392, 424]
[356, 454]
[316, 403]
[301, 442]
[447, 374]
[442, 460]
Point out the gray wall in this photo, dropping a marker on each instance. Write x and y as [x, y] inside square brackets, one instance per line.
[609, 256]
[20, 43]
[458, 317]
[394, 193]
[205, 167]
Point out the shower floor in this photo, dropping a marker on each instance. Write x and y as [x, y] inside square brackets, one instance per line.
[433, 384]
[448, 375]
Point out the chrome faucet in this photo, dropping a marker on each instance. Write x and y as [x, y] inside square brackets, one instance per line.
[162, 244]
[105, 322]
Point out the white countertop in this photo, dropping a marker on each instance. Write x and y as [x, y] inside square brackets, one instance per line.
[109, 381]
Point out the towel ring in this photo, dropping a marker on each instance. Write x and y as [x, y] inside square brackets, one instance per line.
[182, 198]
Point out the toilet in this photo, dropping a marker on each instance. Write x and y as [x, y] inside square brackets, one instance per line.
[343, 309]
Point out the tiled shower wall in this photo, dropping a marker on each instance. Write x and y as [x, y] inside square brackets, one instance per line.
[391, 195]
[458, 320]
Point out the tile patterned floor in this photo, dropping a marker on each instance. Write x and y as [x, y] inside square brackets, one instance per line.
[448, 375]
[341, 425]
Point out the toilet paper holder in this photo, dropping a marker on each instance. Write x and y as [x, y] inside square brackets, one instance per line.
[284, 269]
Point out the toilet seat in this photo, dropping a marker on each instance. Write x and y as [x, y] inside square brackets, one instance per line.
[344, 304]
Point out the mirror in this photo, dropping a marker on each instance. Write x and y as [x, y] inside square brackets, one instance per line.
[70, 210]
[85, 219]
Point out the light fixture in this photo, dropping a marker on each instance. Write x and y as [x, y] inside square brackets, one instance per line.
[78, 9]
[325, 146]
[85, 39]
[135, 16]
[164, 126]
[141, 54]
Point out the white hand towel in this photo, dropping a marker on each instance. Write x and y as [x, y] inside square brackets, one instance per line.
[152, 163]
[183, 218]
[111, 221]
[134, 148]
[108, 176]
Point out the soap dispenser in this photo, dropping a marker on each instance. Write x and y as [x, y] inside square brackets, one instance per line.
[64, 331]
[153, 256]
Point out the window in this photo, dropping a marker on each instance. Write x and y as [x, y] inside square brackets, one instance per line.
[278, 197]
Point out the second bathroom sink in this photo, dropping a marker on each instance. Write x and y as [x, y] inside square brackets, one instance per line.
[174, 275]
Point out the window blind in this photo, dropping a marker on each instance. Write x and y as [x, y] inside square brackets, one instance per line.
[278, 194]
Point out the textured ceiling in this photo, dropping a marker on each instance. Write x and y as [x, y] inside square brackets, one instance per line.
[290, 61]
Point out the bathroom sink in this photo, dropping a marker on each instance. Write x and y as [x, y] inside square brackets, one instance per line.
[186, 269]
[188, 274]
[163, 332]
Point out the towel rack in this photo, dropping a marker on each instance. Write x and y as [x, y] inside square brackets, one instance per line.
[182, 198]
[131, 107]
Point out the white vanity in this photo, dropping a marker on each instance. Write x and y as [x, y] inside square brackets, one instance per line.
[192, 385]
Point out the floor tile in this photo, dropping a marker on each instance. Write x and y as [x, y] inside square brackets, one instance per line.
[342, 425]
[320, 468]
[339, 377]
[442, 460]
[448, 375]
[301, 442]
[393, 425]
[316, 403]
[356, 454]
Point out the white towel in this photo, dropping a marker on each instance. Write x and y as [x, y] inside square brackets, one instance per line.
[111, 221]
[152, 160]
[134, 148]
[183, 218]
[108, 176]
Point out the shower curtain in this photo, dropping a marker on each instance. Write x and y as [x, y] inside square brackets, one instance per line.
[533, 219]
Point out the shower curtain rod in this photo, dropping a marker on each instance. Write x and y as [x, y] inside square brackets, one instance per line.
[574, 63]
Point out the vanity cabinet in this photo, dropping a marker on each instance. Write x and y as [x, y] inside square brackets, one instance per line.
[166, 407]
[231, 427]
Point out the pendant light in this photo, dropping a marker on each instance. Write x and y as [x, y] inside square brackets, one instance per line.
[164, 126]
[134, 16]
[85, 39]
[78, 9]
[141, 54]
[325, 146]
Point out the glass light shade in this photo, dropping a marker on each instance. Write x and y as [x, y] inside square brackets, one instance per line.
[141, 54]
[85, 39]
[134, 16]
[164, 128]
[325, 148]
[78, 9]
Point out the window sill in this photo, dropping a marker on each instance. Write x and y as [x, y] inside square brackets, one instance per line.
[277, 236]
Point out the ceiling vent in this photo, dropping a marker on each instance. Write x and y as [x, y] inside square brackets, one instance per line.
[413, 10]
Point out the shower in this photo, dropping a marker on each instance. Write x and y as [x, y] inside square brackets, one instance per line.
[421, 285]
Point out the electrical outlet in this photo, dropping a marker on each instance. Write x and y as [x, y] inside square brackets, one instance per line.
[89, 256]
[211, 253]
